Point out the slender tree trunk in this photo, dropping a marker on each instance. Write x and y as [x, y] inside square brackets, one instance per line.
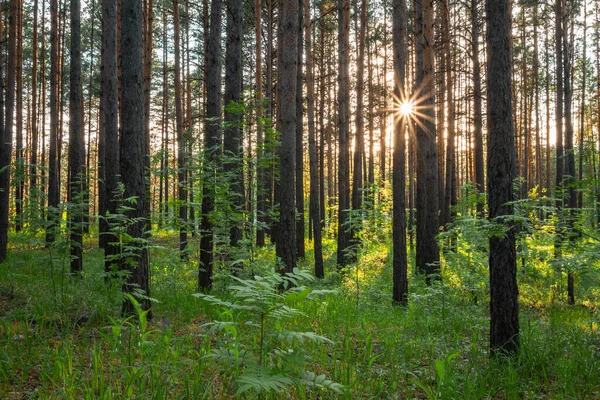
[212, 141]
[300, 225]
[287, 59]
[477, 114]
[260, 134]
[504, 306]
[133, 153]
[33, 161]
[315, 215]
[343, 241]
[20, 150]
[181, 145]
[569, 181]
[88, 166]
[359, 138]
[559, 123]
[400, 264]
[450, 179]
[427, 255]
[583, 106]
[108, 164]
[233, 145]
[7, 128]
[76, 143]
[53, 165]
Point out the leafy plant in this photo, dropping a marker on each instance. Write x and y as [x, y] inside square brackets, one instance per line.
[265, 355]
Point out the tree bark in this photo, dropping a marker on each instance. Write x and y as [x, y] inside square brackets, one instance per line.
[108, 157]
[7, 129]
[212, 139]
[234, 153]
[427, 255]
[315, 212]
[343, 240]
[181, 145]
[76, 143]
[300, 220]
[400, 264]
[477, 113]
[504, 307]
[133, 154]
[53, 165]
[285, 190]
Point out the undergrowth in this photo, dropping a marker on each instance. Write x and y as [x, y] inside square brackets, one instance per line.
[62, 337]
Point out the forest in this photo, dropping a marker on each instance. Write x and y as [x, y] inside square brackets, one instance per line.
[299, 199]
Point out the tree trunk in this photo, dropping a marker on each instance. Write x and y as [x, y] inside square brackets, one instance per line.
[181, 145]
[260, 134]
[108, 158]
[234, 153]
[343, 241]
[504, 307]
[53, 165]
[400, 264]
[7, 128]
[427, 255]
[212, 139]
[287, 59]
[19, 179]
[315, 212]
[133, 154]
[300, 225]
[450, 178]
[477, 114]
[76, 143]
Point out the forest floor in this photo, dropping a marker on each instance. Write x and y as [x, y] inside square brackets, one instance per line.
[63, 337]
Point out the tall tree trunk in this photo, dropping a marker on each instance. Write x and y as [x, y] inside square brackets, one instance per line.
[300, 225]
[260, 134]
[359, 138]
[477, 114]
[569, 181]
[504, 306]
[287, 63]
[20, 150]
[450, 179]
[33, 161]
[315, 212]
[181, 145]
[559, 123]
[76, 143]
[212, 139]
[583, 106]
[53, 165]
[108, 162]
[133, 153]
[234, 153]
[88, 163]
[400, 264]
[7, 128]
[427, 255]
[343, 241]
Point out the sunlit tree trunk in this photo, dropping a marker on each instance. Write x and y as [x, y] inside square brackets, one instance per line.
[400, 264]
[300, 225]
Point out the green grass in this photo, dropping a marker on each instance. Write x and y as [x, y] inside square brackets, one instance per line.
[62, 337]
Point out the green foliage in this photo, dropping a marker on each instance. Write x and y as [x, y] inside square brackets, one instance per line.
[265, 356]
